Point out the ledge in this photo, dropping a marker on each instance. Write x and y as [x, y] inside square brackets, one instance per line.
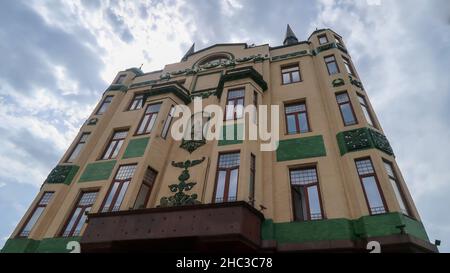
[238, 74]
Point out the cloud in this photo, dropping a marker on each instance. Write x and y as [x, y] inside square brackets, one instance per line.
[119, 27]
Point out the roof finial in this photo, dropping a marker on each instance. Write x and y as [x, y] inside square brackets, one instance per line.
[290, 37]
[189, 52]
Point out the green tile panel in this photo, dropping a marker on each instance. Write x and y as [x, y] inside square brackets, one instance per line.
[98, 171]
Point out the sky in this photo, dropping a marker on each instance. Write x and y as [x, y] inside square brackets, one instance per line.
[59, 56]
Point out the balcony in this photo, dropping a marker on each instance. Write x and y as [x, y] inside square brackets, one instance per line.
[222, 227]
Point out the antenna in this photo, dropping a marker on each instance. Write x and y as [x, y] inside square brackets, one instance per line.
[141, 66]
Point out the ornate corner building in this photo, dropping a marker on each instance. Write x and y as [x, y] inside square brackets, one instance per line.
[331, 185]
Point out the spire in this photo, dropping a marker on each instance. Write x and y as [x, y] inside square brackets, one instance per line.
[189, 52]
[290, 37]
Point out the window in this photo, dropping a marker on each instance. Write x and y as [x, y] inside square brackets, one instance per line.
[348, 66]
[396, 186]
[255, 103]
[291, 74]
[296, 118]
[147, 122]
[345, 106]
[251, 189]
[120, 79]
[365, 109]
[167, 123]
[78, 216]
[137, 102]
[115, 144]
[371, 187]
[37, 212]
[305, 194]
[235, 104]
[104, 106]
[332, 66]
[146, 189]
[77, 150]
[227, 178]
[338, 40]
[119, 187]
[322, 39]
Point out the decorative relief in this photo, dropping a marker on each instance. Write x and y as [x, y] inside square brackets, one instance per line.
[291, 55]
[62, 174]
[356, 83]
[92, 121]
[180, 198]
[381, 142]
[338, 82]
[363, 138]
[357, 139]
[204, 95]
[192, 145]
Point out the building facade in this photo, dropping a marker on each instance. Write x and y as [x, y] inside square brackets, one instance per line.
[125, 184]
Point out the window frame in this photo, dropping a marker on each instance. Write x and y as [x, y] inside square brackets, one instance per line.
[305, 192]
[329, 62]
[396, 180]
[118, 190]
[348, 66]
[297, 121]
[79, 142]
[30, 216]
[104, 102]
[289, 66]
[371, 121]
[323, 36]
[120, 79]
[377, 182]
[130, 105]
[149, 185]
[149, 119]
[168, 123]
[235, 100]
[225, 198]
[79, 217]
[349, 102]
[252, 182]
[116, 143]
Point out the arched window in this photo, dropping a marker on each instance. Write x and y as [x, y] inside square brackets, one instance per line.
[215, 59]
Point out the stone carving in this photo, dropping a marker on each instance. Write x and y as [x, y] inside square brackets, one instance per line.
[180, 198]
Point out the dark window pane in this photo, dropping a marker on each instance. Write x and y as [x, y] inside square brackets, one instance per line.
[347, 114]
[303, 123]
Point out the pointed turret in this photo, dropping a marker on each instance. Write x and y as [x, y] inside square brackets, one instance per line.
[290, 37]
[189, 52]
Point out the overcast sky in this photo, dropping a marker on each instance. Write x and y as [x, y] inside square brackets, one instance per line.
[59, 56]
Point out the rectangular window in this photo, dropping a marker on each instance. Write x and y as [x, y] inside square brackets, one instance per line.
[147, 122]
[345, 106]
[227, 178]
[332, 66]
[366, 110]
[371, 187]
[306, 194]
[338, 40]
[322, 39]
[36, 214]
[396, 186]
[167, 123]
[146, 189]
[290, 74]
[235, 104]
[296, 118]
[78, 148]
[104, 106]
[115, 144]
[118, 188]
[137, 102]
[78, 216]
[251, 190]
[348, 66]
[120, 79]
